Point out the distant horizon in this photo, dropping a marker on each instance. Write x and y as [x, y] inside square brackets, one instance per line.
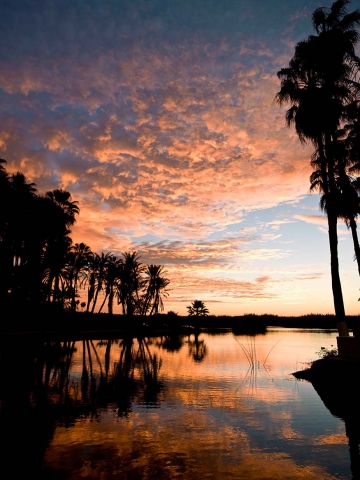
[159, 118]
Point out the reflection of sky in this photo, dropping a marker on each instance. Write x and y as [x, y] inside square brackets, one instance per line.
[216, 420]
[159, 117]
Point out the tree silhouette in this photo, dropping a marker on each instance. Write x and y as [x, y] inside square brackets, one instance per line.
[77, 264]
[319, 85]
[112, 278]
[131, 283]
[39, 264]
[155, 285]
[197, 309]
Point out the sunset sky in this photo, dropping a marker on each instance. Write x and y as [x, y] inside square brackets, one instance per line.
[159, 117]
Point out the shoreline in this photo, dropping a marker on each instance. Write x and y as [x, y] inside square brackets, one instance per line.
[47, 322]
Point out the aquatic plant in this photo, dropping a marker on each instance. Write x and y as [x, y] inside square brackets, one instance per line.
[327, 353]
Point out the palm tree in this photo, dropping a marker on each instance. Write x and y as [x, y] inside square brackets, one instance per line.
[155, 285]
[59, 243]
[131, 283]
[98, 266]
[111, 280]
[78, 260]
[319, 85]
[197, 309]
[63, 199]
[17, 210]
[347, 199]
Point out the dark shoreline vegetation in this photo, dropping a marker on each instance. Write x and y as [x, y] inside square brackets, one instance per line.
[47, 321]
[42, 270]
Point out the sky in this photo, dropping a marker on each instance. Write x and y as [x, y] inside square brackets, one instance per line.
[159, 117]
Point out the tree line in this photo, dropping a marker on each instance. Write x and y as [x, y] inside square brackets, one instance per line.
[321, 84]
[40, 265]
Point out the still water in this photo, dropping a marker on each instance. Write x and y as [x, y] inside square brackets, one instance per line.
[189, 407]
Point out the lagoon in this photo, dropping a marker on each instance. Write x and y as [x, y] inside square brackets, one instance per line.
[210, 406]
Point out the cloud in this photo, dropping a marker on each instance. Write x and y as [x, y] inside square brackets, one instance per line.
[315, 219]
[161, 121]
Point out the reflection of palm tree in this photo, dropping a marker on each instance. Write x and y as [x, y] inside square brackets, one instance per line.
[197, 349]
[172, 343]
[318, 85]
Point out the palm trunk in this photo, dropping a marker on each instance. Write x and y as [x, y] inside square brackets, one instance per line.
[355, 241]
[335, 277]
[91, 290]
[111, 301]
[99, 287]
[103, 303]
[73, 290]
[333, 238]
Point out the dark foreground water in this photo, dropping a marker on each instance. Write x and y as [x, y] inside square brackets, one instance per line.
[204, 407]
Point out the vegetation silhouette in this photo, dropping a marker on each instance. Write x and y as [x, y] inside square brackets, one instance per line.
[41, 267]
[321, 86]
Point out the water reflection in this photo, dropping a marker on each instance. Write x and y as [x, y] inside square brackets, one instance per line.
[339, 392]
[165, 407]
[197, 348]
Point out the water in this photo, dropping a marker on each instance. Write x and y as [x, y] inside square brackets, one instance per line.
[206, 407]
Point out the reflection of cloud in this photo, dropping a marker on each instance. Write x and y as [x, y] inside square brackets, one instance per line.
[197, 450]
[334, 439]
[211, 421]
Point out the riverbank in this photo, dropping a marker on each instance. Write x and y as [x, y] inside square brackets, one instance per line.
[50, 320]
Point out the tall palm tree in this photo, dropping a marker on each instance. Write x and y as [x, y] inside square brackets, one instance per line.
[319, 85]
[16, 229]
[131, 283]
[63, 199]
[347, 199]
[111, 280]
[155, 285]
[77, 263]
[59, 243]
[99, 266]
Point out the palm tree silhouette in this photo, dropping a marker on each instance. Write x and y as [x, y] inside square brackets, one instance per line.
[155, 285]
[319, 85]
[111, 279]
[99, 264]
[131, 283]
[59, 243]
[77, 264]
[197, 309]
[347, 199]
[62, 198]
